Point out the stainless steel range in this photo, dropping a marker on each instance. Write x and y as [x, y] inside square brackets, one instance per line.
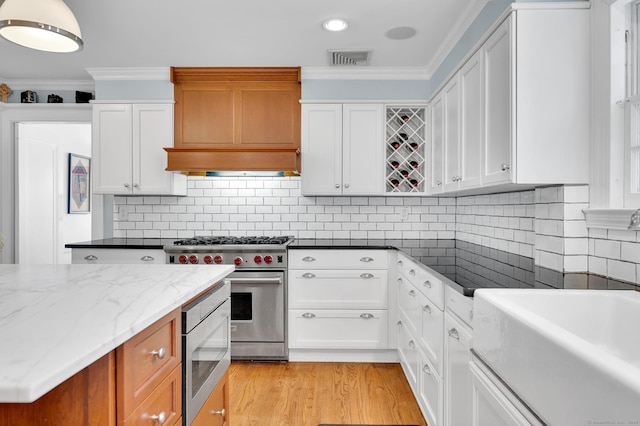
[258, 289]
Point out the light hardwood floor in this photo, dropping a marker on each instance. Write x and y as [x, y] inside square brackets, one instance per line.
[307, 394]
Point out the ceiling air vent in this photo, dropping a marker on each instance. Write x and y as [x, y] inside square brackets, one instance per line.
[349, 58]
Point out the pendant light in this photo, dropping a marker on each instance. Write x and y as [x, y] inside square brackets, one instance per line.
[47, 25]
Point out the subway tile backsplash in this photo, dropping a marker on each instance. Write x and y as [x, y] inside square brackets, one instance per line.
[545, 224]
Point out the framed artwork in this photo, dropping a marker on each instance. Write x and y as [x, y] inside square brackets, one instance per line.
[79, 184]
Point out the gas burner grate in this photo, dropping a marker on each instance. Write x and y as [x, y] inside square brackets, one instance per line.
[225, 240]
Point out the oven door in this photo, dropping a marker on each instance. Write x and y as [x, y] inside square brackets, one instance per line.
[258, 314]
[206, 356]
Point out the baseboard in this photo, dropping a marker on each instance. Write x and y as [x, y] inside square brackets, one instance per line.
[343, 355]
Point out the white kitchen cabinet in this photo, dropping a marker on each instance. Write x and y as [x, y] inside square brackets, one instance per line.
[430, 391]
[337, 300]
[128, 155]
[457, 349]
[342, 150]
[408, 353]
[436, 145]
[124, 256]
[451, 108]
[470, 147]
[536, 110]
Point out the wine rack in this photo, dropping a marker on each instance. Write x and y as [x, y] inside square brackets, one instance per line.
[405, 145]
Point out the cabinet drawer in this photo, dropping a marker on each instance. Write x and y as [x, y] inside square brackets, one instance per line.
[144, 361]
[338, 329]
[408, 353]
[125, 256]
[431, 392]
[215, 411]
[432, 333]
[338, 289]
[409, 304]
[460, 305]
[165, 401]
[338, 259]
[425, 281]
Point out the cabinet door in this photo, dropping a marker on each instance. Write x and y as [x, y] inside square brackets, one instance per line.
[471, 115]
[408, 353]
[152, 131]
[111, 149]
[451, 99]
[498, 105]
[362, 172]
[436, 145]
[215, 411]
[431, 391]
[457, 347]
[322, 149]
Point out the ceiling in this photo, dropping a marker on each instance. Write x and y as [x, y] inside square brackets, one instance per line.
[162, 33]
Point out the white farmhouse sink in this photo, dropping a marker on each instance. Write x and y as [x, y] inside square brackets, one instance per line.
[572, 355]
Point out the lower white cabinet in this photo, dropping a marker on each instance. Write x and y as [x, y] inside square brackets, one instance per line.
[493, 404]
[125, 256]
[457, 349]
[430, 391]
[408, 352]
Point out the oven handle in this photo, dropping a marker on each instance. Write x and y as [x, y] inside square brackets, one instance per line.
[236, 280]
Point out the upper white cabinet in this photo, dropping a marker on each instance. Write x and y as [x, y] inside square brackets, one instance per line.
[342, 150]
[128, 154]
[451, 99]
[436, 145]
[537, 97]
[470, 140]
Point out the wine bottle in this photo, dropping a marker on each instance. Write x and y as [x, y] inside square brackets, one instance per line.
[395, 182]
[404, 173]
[395, 164]
[414, 164]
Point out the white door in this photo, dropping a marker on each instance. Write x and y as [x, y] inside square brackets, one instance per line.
[152, 131]
[322, 149]
[436, 145]
[362, 163]
[451, 94]
[37, 198]
[471, 115]
[498, 120]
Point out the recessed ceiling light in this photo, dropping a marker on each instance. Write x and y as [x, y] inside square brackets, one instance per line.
[335, 24]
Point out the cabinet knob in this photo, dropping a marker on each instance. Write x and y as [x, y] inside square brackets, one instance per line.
[218, 413]
[454, 333]
[412, 344]
[160, 353]
[427, 309]
[399, 323]
[505, 167]
[308, 315]
[399, 280]
[427, 284]
[337, 185]
[366, 259]
[160, 418]
[308, 275]
[426, 369]
[308, 259]
[135, 185]
[366, 275]
[346, 185]
[412, 293]
[366, 316]
[126, 185]
[438, 183]
[412, 272]
[90, 257]
[147, 258]
[399, 262]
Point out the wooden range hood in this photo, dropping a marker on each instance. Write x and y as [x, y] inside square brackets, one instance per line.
[236, 119]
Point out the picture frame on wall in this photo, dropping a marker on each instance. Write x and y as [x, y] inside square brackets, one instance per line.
[79, 195]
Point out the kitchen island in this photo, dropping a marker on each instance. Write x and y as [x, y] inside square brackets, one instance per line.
[59, 319]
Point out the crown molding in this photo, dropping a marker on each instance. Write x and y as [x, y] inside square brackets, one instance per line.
[455, 35]
[142, 73]
[27, 84]
[362, 73]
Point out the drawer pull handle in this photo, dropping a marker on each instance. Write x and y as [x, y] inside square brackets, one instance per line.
[399, 323]
[426, 369]
[147, 258]
[160, 418]
[90, 257]
[366, 275]
[400, 263]
[220, 413]
[308, 275]
[454, 333]
[309, 259]
[399, 280]
[366, 259]
[412, 344]
[412, 272]
[308, 315]
[427, 309]
[412, 293]
[427, 284]
[160, 353]
[366, 316]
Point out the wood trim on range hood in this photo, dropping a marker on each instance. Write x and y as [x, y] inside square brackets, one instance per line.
[236, 119]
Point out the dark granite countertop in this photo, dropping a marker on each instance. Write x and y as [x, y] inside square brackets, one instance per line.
[467, 266]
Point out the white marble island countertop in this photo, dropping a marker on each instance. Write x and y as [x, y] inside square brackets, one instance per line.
[55, 320]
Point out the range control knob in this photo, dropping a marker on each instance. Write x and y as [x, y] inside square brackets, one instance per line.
[268, 259]
[238, 261]
[193, 259]
[183, 259]
[208, 259]
[218, 259]
[258, 259]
